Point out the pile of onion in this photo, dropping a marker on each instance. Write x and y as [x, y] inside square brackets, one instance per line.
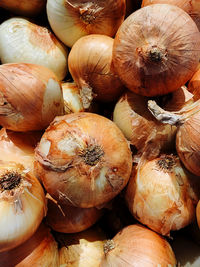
[83, 159]
[137, 246]
[156, 49]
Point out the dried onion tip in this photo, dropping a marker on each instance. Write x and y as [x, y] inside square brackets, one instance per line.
[156, 50]
[72, 19]
[162, 194]
[83, 159]
[22, 205]
[137, 246]
[30, 97]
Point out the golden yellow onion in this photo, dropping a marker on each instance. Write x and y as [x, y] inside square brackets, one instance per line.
[72, 19]
[91, 66]
[30, 97]
[156, 49]
[162, 194]
[40, 249]
[83, 159]
[22, 205]
[27, 42]
[138, 246]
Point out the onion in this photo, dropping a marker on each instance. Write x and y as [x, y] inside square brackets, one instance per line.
[24, 7]
[156, 50]
[191, 7]
[198, 213]
[83, 159]
[194, 85]
[162, 194]
[138, 246]
[39, 250]
[68, 219]
[90, 64]
[82, 249]
[30, 97]
[71, 20]
[23, 41]
[22, 205]
[19, 147]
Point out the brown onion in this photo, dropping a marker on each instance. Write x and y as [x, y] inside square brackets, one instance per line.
[156, 50]
[72, 19]
[68, 219]
[162, 195]
[30, 97]
[194, 85]
[198, 213]
[83, 159]
[191, 7]
[39, 250]
[91, 66]
[82, 249]
[138, 246]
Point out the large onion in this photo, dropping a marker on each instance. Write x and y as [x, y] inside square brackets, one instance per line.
[83, 159]
[72, 19]
[156, 49]
[138, 246]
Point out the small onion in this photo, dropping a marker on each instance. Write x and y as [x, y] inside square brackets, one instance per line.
[138, 246]
[83, 159]
[23, 41]
[24, 7]
[82, 249]
[68, 219]
[91, 66]
[30, 97]
[40, 249]
[156, 50]
[22, 205]
[72, 19]
[191, 7]
[162, 195]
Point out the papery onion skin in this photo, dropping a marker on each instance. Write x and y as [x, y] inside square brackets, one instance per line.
[162, 194]
[91, 66]
[138, 246]
[40, 249]
[82, 249]
[27, 42]
[22, 205]
[30, 97]
[71, 20]
[68, 219]
[83, 159]
[156, 50]
[24, 7]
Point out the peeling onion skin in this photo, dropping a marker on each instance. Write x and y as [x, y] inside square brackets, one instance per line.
[163, 195]
[138, 246]
[69, 219]
[83, 159]
[156, 50]
[23, 41]
[91, 66]
[30, 97]
[72, 19]
[22, 205]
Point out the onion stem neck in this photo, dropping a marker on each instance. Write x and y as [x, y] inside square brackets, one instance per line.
[10, 180]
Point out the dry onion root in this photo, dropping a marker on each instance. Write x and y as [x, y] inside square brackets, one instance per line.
[137, 246]
[30, 97]
[22, 205]
[156, 50]
[23, 41]
[68, 219]
[162, 194]
[40, 249]
[83, 159]
[72, 19]
[91, 66]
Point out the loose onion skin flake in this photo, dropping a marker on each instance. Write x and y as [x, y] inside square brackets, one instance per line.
[156, 50]
[83, 159]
